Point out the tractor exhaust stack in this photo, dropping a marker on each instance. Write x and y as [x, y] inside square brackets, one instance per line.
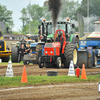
[54, 7]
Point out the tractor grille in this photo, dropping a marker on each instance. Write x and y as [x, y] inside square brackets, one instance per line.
[1, 45]
[48, 45]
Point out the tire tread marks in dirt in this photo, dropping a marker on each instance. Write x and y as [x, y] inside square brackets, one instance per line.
[14, 54]
[68, 54]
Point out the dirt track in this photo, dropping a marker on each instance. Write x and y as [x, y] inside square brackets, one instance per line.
[54, 92]
[71, 91]
[35, 70]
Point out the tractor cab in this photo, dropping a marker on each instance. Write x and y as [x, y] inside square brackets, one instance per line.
[46, 30]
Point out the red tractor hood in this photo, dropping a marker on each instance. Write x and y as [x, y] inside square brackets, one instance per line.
[52, 49]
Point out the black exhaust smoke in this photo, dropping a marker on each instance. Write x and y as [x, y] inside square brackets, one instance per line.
[54, 7]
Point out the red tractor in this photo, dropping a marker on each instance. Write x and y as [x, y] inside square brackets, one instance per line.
[59, 52]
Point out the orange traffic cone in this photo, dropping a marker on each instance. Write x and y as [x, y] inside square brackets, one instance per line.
[83, 76]
[24, 76]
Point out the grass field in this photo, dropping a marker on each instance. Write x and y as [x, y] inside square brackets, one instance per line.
[40, 80]
[6, 63]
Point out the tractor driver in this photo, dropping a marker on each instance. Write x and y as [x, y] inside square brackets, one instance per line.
[60, 39]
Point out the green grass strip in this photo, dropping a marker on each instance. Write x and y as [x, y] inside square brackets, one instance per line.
[39, 80]
[6, 63]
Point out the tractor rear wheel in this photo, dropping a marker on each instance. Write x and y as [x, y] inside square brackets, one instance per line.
[14, 54]
[70, 53]
[38, 49]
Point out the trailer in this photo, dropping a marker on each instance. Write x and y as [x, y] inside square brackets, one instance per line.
[31, 57]
[89, 48]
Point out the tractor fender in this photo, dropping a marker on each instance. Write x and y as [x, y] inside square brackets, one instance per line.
[74, 37]
[71, 37]
[64, 44]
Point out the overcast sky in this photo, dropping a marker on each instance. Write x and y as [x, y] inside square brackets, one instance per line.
[16, 6]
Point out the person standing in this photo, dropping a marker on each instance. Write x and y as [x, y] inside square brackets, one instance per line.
[21, 52]
[27, 50]
[7, 48]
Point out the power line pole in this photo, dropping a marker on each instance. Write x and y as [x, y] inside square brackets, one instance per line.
[29, 16]
[88, 21]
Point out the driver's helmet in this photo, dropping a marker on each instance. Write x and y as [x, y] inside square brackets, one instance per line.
[59, 34]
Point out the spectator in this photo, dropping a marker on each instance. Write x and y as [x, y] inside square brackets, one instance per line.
[21, 52]
[27, 50]
[7, 48]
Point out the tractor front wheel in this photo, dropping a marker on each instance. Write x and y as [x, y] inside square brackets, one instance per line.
[59, 62]
[14, 54]
[70, 53]
[40, 64]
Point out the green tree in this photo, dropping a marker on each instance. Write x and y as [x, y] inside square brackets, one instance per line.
[94, 8]
[24, 18]
[6, 16]
[69, 8]
[37, 13]
[34, 28]
[47, 14]
[34, 13]
[14, 32]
